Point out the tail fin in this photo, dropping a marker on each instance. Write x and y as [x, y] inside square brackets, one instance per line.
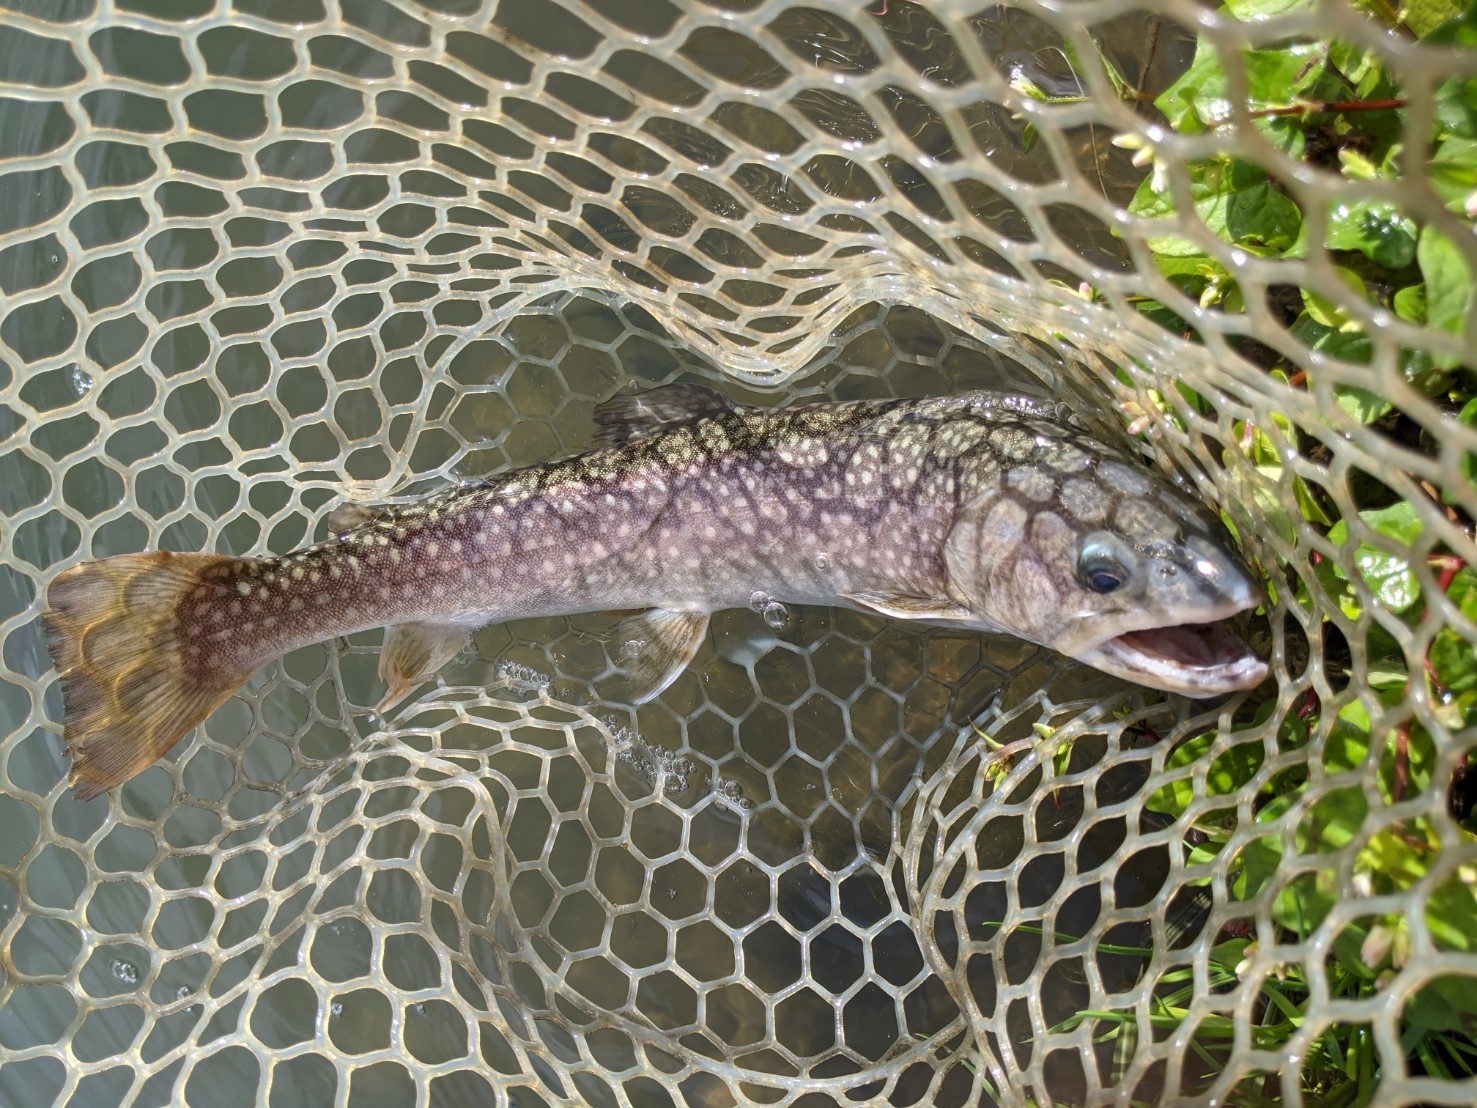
[114, 630]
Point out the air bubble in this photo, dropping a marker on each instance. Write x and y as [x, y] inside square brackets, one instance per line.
[125, 972]
[730, 794]
[513, 675]
[758, 600]
[823, 561]
[630, 648]
[776, 615]
[336, 1009]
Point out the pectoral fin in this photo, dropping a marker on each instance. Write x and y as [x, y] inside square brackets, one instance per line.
[656, 646]
[934, 609]
[413, 653]
[631, 415]
[351, 514]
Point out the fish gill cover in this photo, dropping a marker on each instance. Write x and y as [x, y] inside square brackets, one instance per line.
[261, 257]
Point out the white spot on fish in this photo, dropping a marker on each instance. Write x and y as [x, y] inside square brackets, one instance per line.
[243, 587]
[433, 549]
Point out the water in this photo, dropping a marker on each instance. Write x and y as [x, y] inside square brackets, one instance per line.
[352, 355]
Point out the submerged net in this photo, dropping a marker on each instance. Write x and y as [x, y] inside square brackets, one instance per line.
[259, 256]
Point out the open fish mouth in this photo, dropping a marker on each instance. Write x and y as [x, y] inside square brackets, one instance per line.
[1194, 659]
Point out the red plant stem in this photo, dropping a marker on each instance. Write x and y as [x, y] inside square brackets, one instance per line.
[1450, 565]
[1313, 107]
[1402, 761]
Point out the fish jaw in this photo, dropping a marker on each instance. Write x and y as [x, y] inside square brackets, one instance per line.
[1198, 660]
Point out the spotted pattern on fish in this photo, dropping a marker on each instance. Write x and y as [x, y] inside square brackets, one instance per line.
[979, 511]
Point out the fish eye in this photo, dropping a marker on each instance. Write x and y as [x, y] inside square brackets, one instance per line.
[1100, 568]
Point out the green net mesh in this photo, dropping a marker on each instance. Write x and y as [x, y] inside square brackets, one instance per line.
[261, 255]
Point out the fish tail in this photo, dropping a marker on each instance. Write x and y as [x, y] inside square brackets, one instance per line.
[115, 637]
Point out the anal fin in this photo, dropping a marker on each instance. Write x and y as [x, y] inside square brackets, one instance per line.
[413, 653]
[656, 646]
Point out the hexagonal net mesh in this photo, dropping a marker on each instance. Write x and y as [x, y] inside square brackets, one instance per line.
[260, 255]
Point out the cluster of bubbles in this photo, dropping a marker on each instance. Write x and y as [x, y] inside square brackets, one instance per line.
[775, 614]
[515, 675]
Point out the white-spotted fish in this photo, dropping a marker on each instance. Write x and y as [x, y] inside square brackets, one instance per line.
[989, 512]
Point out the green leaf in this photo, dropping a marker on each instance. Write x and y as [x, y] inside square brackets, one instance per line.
[1363, 405]
[1277, 78]
[1242, 205]
[1441, 1004]
[1425, 16]
[1375, 229]
[1451, 914]
[1204, 83]
[1388, 576]
[1454, 661]
[1410, 303]
[1456, 101]
[1348, 346]
[1356, 166]
[1452, 172]
[1332, 821]
[1251, 10]
[1448, 281]
[1456, 107]
[1234, 768]
[1468, 415]
[1347, 744]
[1452, 656]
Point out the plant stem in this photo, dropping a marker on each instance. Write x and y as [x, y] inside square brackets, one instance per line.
[1313, 107]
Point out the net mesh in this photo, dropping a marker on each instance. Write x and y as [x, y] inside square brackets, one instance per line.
[263, 255]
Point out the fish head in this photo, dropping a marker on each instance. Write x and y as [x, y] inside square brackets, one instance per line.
[1110, 564]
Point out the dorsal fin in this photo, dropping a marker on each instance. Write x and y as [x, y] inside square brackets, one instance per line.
[630, 415]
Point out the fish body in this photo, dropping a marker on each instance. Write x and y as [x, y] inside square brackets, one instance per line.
[982, 511]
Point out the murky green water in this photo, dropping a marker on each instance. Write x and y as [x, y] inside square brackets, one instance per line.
[812, 731]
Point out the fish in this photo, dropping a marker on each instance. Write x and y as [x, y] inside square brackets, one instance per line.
[985, 512]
